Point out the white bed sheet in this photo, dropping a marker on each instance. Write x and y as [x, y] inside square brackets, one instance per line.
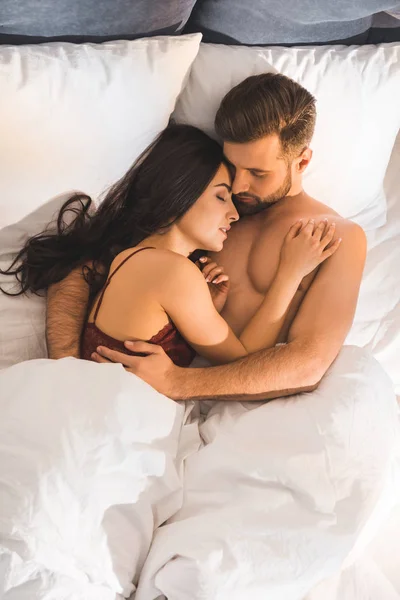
[377, 320]
[375, 574]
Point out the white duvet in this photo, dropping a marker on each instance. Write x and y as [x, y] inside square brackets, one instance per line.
[278, 497]
[90, 464]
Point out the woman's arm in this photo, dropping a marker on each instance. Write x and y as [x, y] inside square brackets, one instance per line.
[185, 297]
[303, 250]
[188, 301]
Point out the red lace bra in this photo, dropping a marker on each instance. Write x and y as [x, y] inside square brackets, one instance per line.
[169, 338]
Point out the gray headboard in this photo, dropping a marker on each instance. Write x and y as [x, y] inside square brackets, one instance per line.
[255, 22]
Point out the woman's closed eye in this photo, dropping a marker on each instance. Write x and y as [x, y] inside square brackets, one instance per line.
[222, 198]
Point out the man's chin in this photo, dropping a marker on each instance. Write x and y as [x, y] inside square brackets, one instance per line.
[251, 208]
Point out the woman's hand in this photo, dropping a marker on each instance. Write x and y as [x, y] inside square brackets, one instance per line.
[218, 281]
[305, 248]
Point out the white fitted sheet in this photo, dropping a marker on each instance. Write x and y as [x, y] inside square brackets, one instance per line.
[377, 320]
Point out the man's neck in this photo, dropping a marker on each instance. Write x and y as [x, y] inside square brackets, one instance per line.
[296, 189]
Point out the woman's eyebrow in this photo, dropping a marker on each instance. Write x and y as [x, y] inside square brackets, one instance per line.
[228, 187]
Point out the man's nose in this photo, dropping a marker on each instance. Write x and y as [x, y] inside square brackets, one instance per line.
[240, 184]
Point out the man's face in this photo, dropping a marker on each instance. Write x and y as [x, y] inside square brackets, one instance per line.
[262, 174]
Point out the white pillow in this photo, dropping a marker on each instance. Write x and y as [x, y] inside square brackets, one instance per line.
[358, 113]
[77, 116]
[22, 318]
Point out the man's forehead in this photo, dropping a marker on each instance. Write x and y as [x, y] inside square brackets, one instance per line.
[263, 154]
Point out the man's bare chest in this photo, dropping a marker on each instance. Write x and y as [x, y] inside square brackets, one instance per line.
[251, 259]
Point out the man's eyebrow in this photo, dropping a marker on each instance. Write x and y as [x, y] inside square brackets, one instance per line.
[247, 168]
[228, 187]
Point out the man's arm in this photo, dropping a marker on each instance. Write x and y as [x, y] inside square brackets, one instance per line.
[314, 340]
[327, 311]
[67, 303]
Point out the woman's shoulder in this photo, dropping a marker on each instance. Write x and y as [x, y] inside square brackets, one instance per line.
[156, 261]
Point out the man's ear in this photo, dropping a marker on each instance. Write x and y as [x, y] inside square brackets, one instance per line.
[303, 160]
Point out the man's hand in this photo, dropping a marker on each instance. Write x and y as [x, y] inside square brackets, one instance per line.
[156, 368]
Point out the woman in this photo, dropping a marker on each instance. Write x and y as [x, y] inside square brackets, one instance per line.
[136, 247]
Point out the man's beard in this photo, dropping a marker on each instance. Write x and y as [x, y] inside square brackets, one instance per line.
[259, 204]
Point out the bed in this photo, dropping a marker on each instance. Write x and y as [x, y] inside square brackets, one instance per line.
[109, 490]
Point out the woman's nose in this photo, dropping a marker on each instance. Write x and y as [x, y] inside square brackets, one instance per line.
[233, 214]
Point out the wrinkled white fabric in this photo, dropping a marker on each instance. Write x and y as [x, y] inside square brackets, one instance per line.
[282, 493]
[90, 464]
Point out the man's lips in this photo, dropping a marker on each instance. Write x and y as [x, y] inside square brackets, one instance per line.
[245, 199]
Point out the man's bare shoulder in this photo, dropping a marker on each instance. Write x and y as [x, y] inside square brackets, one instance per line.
[279, 218]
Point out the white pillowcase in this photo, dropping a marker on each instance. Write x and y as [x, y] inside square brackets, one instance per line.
[358, 113]
[77, 116]
[22, 318]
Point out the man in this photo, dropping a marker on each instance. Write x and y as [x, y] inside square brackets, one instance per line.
[266, 123]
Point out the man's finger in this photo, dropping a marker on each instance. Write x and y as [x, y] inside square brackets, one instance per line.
[97, 358]
[143, 347]
[114, 356]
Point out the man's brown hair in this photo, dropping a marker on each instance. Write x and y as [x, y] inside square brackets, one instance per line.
[268, 104]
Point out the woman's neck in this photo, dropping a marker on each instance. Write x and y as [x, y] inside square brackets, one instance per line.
[171, 240]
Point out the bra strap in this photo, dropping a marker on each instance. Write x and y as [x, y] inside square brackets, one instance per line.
[96, 312]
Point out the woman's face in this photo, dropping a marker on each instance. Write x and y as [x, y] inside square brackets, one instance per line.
[208, 221]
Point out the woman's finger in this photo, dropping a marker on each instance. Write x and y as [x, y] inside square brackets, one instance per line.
[220, 279]
[328, 237]
[329, 251]
[308, 229]
[294, 230]
[320, 230]
[214, 273]
[208, 268]
[201, 262]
